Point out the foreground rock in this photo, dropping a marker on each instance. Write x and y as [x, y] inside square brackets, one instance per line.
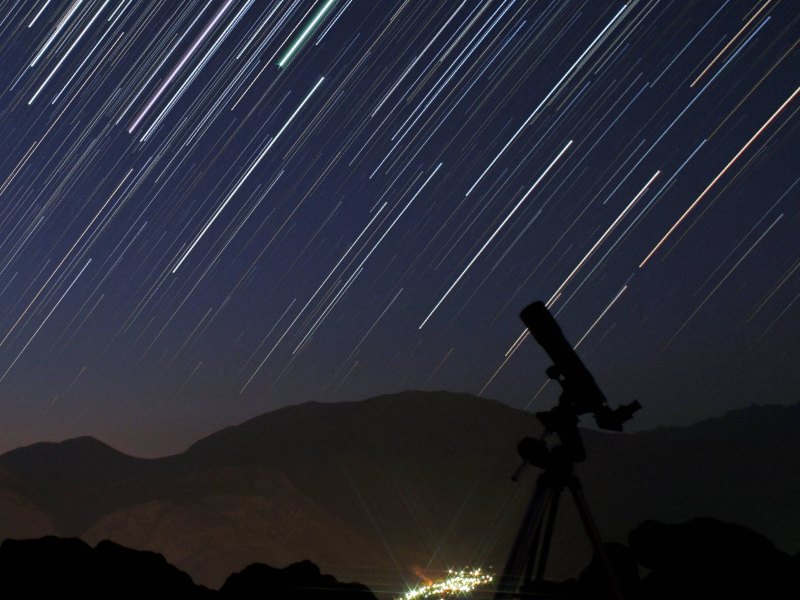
[707, 558]
[69, 567]
[700, 559]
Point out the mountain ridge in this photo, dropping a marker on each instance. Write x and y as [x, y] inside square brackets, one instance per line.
[794, 409]
[368, 488]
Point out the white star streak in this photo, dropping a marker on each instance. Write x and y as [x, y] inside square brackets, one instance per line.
[786, 276]
[332, 23]
[360, 266]
[261, 364]
[119, 10]
[416, 59]
[546, 98]
[67, 53]
[517, 342]
[80, 237]
[246, 175]
[328, 309]
[496, 231]
[602, 314]
[38, 14]
[689, 43]
[380, 316]
[56, 31]
[157, 68]
[20, 165]
[397, 218]
[258, 31]
[500, 368]
[176, 69]
[266, 337]
[191, 77]
[52, 310]
[357, 271]
[314, 295]
[302, 310]
[190, 376]
[77, 70]
[524, 335]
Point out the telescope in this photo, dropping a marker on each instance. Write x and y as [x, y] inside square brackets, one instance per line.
[581, 395]
[524, 573]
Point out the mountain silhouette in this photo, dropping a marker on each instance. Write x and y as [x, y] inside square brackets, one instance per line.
[371, 490]
[74, 480]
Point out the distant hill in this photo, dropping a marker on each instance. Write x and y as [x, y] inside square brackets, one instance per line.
[741, 467]
[376, 490]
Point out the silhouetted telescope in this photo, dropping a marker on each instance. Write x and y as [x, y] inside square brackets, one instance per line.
[524, 573]
[580, 392]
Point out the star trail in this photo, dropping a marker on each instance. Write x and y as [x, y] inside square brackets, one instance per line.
[213, 209]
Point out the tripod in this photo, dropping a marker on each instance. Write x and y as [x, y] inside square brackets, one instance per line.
[524, 572]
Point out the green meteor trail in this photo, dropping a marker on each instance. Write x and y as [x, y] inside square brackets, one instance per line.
[295, 46]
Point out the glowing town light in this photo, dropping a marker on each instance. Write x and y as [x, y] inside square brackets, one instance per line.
[457, 583]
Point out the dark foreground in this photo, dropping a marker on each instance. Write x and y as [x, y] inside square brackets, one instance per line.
[703, 558]
[69, 567]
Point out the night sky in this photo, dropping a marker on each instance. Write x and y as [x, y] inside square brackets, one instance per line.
[209, 210]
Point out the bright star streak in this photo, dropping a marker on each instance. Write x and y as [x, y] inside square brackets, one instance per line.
[496, 231]
[602, 314]
[546, 98]
[294, 48]
[55, 33]
[38, 14]
[517, 342]
[176, 69]
[67, 53]
[246, 175]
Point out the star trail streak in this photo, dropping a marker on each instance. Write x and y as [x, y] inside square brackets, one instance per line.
[180, 64]
[295, 46]
[213, 209]
[496, 231]
[246, 175]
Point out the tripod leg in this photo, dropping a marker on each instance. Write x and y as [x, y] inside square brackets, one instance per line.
[523, 552]
[593, 533]
[548, 533]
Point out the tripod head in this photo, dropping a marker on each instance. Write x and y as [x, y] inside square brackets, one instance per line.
[579, 393]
